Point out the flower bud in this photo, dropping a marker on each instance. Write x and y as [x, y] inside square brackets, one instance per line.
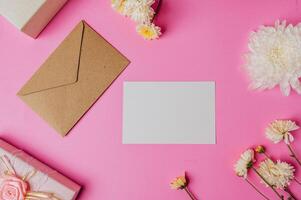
[260, 149]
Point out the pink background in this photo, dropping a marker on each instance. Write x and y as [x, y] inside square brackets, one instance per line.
[203, 40]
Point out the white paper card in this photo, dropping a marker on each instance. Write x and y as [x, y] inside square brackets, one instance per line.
[169, 113]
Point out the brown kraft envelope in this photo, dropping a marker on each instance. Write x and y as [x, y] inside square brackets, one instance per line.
[73, 77]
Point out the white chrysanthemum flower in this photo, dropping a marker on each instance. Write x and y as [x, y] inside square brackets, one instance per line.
[280, 130]
[149, 31]
[140, 11]
[245, 162]
[274, 57]
[118, 5]
[278, 174]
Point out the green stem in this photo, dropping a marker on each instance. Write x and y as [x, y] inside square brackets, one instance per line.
[189, 193]
[257, 190]
[280, 196]
[159, 6]
[267, 156]
[157, 9]
[288, 191]
[293, 154]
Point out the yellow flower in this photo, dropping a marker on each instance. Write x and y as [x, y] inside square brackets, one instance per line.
[179, 183]
[118, 5]
[260, 149]
[149, 31]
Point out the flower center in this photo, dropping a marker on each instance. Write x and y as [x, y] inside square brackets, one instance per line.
[11, 193]
[146, 32]
[276, 56]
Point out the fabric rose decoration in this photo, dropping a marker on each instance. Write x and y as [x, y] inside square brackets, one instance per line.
[13, 188]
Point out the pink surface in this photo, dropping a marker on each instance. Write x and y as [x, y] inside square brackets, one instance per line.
[204, 40]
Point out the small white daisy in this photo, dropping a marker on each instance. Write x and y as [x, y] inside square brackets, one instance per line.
[149, 31]
[280, 130]
[245, 162]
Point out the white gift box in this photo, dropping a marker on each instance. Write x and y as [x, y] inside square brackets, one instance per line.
[30, 16]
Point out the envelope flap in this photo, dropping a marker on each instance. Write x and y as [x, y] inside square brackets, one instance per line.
[61, 67]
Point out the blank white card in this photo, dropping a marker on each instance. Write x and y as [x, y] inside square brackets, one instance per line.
[169, 113]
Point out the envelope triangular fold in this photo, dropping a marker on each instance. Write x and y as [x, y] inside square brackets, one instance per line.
[61, 67]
